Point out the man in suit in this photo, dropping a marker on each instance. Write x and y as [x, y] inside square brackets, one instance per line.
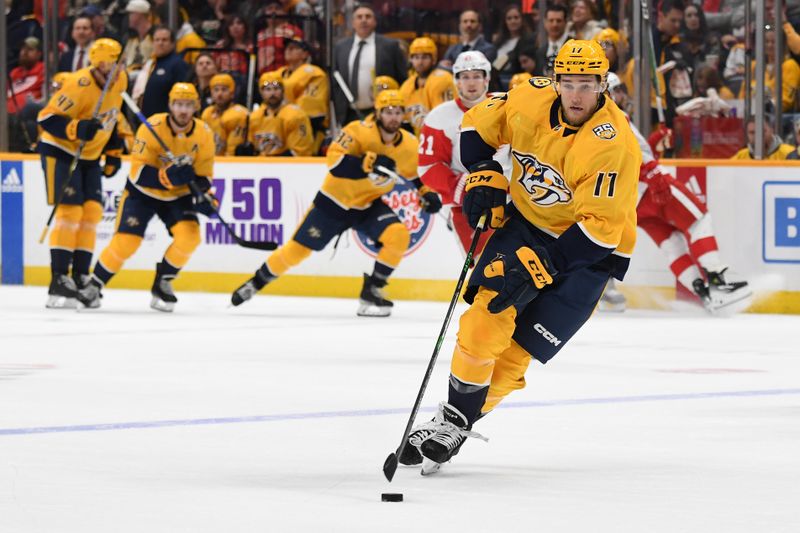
[77, 57]
[361, 58]
[160, 73]
[470, 28]
[555, 26]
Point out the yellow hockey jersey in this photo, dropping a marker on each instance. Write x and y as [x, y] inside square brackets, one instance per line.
[578, 184]
[287, 132]
[195, 146]
[308, 87]
[346, 184]
[228, 127]
[422, 98]
[76, 100]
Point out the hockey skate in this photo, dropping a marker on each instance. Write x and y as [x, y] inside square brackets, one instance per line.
[411, 455]
[451, 431]
[251, 287]
[722, 297]
[89, 295]
[372, 302]
[62, 293]
[612, 300]
[164, 298]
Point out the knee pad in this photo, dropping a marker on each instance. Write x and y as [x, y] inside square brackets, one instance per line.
[66, 226]
[92, 213]
[68, 215]
[395, 239]
[121, 247]
[186, 235]
[287, 256]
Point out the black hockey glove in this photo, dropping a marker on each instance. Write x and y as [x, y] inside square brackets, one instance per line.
[176, 175]
[372, 161]
[485, 192]
[524, 274]
[83, 130]
[429, 200]
[203, 200]
[112, 163]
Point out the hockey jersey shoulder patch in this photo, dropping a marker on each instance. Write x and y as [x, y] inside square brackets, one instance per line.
[605, 131]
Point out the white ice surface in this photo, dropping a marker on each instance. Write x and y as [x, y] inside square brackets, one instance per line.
[645, 422]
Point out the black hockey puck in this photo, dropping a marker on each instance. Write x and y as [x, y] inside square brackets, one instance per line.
[391, 497]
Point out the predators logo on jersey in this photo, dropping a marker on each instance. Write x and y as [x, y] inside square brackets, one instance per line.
[544, 184]
[605, 131]
[268, 142]
[415, 114]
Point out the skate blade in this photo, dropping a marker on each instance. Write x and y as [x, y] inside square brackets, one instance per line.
[61, 302]
[729, 308]
[368, 309]
[429, 467]
[92, 305]
[160, 305]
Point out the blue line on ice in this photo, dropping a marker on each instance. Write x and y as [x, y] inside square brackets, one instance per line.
[392, 411]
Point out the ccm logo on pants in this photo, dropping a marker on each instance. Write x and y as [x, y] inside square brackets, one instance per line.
[552, 339]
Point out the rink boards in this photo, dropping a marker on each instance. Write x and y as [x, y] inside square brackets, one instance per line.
[755, 207]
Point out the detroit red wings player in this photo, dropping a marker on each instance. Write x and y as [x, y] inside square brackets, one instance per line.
[440, 164]
[680, 225]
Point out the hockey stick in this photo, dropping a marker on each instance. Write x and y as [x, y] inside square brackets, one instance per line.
[390, 465]
[347, 94]
[651, 51]
[256, 245]
[75, 160]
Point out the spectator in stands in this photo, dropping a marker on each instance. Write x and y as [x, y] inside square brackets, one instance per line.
[735, 60]
[21, 23]
[226, 119]
[235, 35]
[555, 26]
[279, 128]
[27, 79]
[307, 86]
[707, 77]
[702, 45]
[99, 26]
[514, 33]
[270, 39]
[526, 58]
[675, 85]
[582, 23]
[77, 57]
[160, 73]
[207, 17]
[774, 149]
[795, 155]
[470, 27]
[359, 59]
[139, 47]
[205, 68]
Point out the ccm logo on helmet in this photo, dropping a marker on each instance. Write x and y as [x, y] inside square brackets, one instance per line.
[549, 337]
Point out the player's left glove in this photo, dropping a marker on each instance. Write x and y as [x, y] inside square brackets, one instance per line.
[112, 163]
[176, 175]
[524, 274]
[657, 181]
[203, 198]
[245, 149]
[429, 201]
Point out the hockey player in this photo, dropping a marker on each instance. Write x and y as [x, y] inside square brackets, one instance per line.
[66, 122]
[518, 79]
[570, 226]
[680, 225]
[384, 83]
[440, 163]
[350, 197]
[428, 86]
[278, 128]
[160, 186]
[307, 86]
[225, 118]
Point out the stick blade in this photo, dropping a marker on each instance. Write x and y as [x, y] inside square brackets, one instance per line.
[390, 466]
[258, 245]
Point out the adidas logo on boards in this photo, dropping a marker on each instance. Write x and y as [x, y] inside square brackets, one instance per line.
[12, 182]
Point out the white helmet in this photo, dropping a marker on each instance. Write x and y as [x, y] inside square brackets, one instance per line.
[472, 60]
[613, 81]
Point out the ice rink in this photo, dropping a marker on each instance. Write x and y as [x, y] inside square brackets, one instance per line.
[277, 417]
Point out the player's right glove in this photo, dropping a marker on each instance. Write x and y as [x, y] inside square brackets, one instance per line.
[203, 198]
[371, 162]
[524, 274]
[83, 130]
[112, 163]
[485, 192]
[246, 149]
[176, 175]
